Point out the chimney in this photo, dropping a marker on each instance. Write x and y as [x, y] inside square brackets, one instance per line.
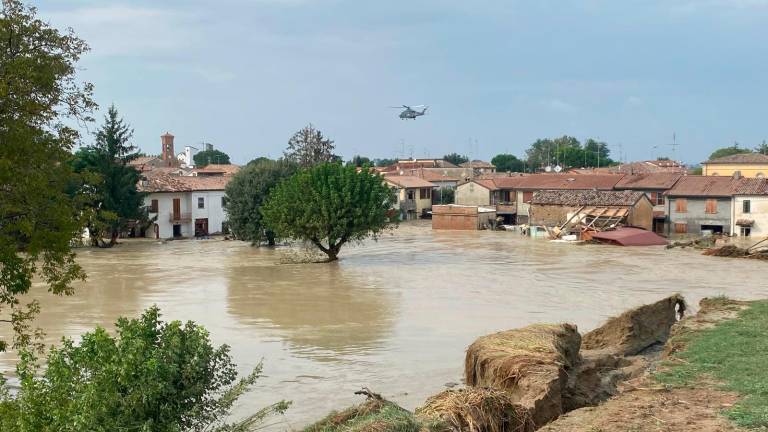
[168, 155]
[736, 175]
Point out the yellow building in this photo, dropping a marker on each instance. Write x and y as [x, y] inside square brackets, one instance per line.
[414, 195]
[753, 165]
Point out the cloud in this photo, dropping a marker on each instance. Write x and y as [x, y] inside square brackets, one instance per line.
[121, 30]
[559, 105]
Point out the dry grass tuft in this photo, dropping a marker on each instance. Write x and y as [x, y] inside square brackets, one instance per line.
[476, 410]
[501, 359]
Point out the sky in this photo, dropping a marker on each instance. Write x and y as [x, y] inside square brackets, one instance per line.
[497, 75]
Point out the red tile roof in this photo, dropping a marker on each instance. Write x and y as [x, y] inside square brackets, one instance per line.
[704, 186]
[171, 183]
[575, 198]
[568, 181]
[408, 182]
[741, 158]
[662, 180]
[225, 169]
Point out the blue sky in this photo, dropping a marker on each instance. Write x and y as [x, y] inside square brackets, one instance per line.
[245, 75]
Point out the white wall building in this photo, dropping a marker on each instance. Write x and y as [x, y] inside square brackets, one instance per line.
[750, 216]
[185, 206]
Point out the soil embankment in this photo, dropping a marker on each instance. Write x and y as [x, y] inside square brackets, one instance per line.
[552, 379]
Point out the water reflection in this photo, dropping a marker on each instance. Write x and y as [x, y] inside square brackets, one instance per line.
[321, 310]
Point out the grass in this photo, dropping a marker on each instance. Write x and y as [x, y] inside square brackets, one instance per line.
[735, 354]
[373, 416]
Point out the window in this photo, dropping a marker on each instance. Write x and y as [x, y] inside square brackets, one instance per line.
[200, 202]
[746, 206]
[411, 194]
[509, 196]
[657, 198]
[224, 201]
[153, 206]
[710, 206]
[746, 231]
[527, 197]
[425, 193]
[760, 175]
[681, 228]
[681, 205]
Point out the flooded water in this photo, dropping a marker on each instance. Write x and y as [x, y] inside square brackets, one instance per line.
[394, 315]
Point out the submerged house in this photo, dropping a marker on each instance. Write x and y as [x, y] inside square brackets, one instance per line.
[590, 209]
[654, 185]
[460, 217]
[413, 195]
[709, 204]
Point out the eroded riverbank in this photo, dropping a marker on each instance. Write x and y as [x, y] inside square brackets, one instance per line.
[395, 315]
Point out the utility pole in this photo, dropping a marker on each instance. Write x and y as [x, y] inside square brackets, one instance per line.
[674, 146]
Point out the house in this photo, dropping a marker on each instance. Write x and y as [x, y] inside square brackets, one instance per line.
[754, 165]
[476, 192]
[459, 217]
[185, 206]
[146, 163]
[479, 166]
[590, 208]
[654, 185]
[216, 170]
[413, 195]
[750, 211]
[439, 177]
[700, 204]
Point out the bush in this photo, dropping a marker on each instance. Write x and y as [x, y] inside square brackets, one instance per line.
[151, 376]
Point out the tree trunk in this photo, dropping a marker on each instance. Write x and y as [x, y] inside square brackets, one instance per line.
[113, 237]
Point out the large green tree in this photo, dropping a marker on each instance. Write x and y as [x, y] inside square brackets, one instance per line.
[359, 161]
[115, 202]
[150, 376]
[455, 158]
[385, 162]
[508, 163]
[38, 214]
[329, 205]
[213, 156]
[308, 147]
[247, 192]
[568, 152]
[729, 151]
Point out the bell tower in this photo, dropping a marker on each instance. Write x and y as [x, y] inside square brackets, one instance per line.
[168, 154]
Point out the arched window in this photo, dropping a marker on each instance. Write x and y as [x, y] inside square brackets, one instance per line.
[760, 175]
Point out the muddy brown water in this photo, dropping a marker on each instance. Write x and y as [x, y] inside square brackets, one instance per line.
[394, 315]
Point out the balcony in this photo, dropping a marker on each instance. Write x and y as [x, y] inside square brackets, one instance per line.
[178, 218]
[408, 205]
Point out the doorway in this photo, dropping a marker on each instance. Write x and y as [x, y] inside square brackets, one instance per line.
[201, 227]
[177, 230]
[176, 210]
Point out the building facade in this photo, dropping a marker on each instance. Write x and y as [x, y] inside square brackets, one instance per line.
[413, 195]
[751, 165]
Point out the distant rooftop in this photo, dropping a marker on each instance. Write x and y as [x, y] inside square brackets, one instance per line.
[575, 198]
[741, 158]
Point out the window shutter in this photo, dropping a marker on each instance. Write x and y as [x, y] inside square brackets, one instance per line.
[711, 206]
[681, 228]
[681, 205]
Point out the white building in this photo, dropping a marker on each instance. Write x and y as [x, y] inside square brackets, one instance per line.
[185, 206]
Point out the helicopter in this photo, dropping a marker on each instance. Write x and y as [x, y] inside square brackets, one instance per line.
[410, 112]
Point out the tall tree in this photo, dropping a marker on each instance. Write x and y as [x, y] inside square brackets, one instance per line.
[308, 147]
[762, 148]
[207, 157]
[116, 200]
[329, 205]
[385, 162]
[247, 192]
[729, 151]
[508, 163]
[38, 216]
[359, 161]
[456, 158]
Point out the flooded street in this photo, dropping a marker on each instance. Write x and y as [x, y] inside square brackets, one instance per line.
[395, 315]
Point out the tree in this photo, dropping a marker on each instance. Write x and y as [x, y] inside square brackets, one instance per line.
[762, 148]
[359, 161]
[444, 195]
[260, 159]
[597, 154]
[455, 158]
[152, 375]
[329, 205]
[308, 147]
[247, 192]
[728, 151]
[38, 215]
[207, 157]
[385, 162]
[115, 200]
[508, 162]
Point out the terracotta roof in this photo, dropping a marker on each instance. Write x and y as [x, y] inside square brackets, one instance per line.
[141, 160]
[228, 169]
[477, 164]
[428, 174]
[741, 158]
[662, 180]
[507, 182]
[171, 183]
[568, 181]
[575, 198]
[718, 186]
[647, 167]
[408, 181]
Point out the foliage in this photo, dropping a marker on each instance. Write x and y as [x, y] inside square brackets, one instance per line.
[360, 161]
[508, 163]
[329, 205]
[38, 217]
[308, 147]
[151, 376]
[374, 415]
[762, 148]
[444, 195]
[734, 352]
[260, 159]
[213, 156]
[696, 171]
[728, 151]
[568, 152]
[456, 158]
[385, 162]
[114, 200]
[246, 193]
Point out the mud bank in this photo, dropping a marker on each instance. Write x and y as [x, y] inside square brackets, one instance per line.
[543, 376]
